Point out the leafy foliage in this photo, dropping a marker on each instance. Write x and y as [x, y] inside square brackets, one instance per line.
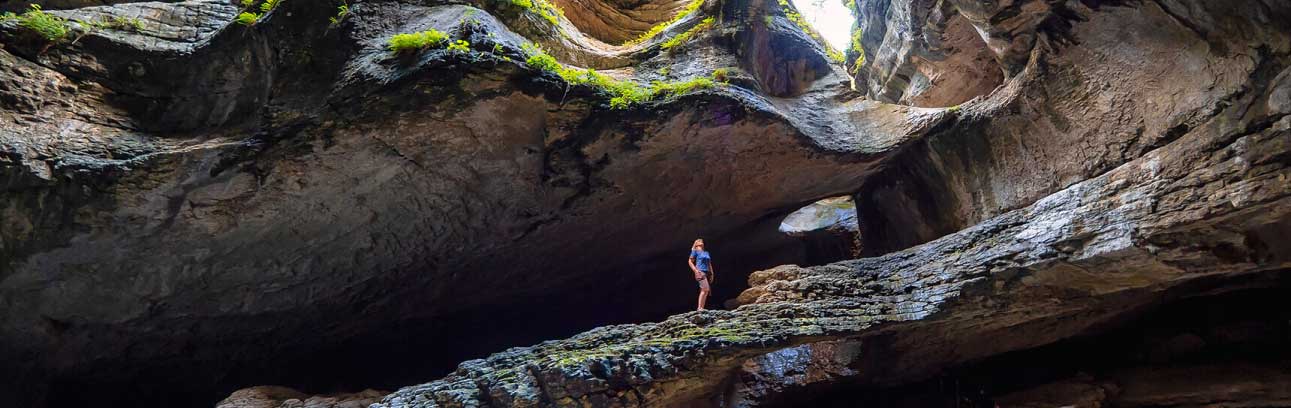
[540, 59]
[415, 41]
[623, 94]
[721, 74]
[116, 23]
[247, 18]
[459, 46]
[835, 55]
[855, 47]
[684, 37]
[342, 11]
[658, 28]
[269, 5]
[543, 8]
[50, 27]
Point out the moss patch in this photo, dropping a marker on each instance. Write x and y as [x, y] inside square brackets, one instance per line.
[401, 43]
[118, 23]
[686, 36]
[856, 48]
[48, 26]
[658, 28]
[543, 8]
[623, 94]
[249, 15]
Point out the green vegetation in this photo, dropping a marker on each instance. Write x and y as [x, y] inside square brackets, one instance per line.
[658, 28]
[856, 48]
[416, 41]
[469, 20]
[856, 42]
[248, 16]
[835, 55]
[662, 71]
[543, 8]
[459, 46]
[50, 27]
[683, 37]
[792, 15]
[120, 23]
[540, 59]
[342, 11]
[269, 5]
[721, 74]
[622, 93]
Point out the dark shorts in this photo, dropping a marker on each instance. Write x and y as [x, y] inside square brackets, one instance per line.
[703, 283]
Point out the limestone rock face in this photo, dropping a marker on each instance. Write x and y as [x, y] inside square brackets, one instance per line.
[204, 202]
[194, 206]
[1081, 101]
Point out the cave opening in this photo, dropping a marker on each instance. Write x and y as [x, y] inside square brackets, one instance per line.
[831, 18]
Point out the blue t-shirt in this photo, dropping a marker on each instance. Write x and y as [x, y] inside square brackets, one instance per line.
[701, 259]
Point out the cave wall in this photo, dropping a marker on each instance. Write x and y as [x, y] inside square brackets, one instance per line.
[1083, 104]
[200, 206]
[197, 205]
[1223, 348]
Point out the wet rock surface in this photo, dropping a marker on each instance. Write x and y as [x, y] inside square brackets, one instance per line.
[199, 206]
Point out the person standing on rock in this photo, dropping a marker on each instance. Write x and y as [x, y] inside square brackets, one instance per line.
[702, 265]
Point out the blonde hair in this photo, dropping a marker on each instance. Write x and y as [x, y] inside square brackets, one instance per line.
[696, 243]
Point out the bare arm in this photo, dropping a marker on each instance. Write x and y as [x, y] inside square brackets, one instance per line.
[693, 268]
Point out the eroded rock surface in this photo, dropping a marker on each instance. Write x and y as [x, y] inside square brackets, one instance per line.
[1075, 259]
[282, 397]
[210, 206]
[200, 193]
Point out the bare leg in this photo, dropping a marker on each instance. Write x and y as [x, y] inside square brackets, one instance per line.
[703, 298]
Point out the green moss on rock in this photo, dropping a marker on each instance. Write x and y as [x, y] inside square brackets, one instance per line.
[623, 94]
[658, 28]
[401, 43]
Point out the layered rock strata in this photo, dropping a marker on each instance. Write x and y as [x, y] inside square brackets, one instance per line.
[207, 203]
[186, 198]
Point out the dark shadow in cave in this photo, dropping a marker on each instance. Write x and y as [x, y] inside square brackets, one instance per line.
[1242, 328]
[415, 351]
